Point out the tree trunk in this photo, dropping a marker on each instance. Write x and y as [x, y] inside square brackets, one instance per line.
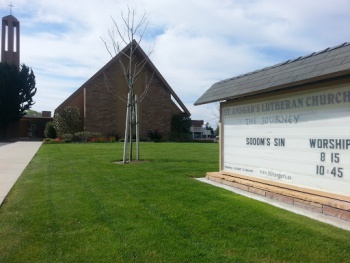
[126, 128]
[137, 129]
[131, 119]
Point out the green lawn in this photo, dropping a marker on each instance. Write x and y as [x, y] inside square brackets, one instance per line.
[73, 204]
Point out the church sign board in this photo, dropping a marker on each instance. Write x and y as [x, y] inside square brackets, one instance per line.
[285, 131]
[300, 138]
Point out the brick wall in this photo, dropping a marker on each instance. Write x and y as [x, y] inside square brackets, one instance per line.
[105, 104]
[100, 103]
[321, 204]
[157, 109]
[75, 100]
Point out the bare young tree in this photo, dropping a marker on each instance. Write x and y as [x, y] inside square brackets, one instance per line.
[130, 33]
[216, 111]
[216, 115]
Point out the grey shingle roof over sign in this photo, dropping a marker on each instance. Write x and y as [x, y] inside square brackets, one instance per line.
[325, 64]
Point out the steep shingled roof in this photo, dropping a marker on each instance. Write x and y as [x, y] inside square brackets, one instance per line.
[116, 60]
[325, 64]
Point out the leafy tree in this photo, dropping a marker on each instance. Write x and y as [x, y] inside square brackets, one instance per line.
[68, 121]
[155, 135]
[50, 131]
[211, 130]
[217, 131]
[180, 127]
[33, 113]
[17, 89]
[208, 127]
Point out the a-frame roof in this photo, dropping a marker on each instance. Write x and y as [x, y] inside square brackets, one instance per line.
[149, 63]
[326, 64]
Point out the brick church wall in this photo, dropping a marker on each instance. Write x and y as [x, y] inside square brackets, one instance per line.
[75, 100]
[105, 110]
[103, 104]
[158, 109]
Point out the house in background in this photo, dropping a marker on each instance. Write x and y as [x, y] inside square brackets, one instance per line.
[27, 127]
[198, 130]
[102, 99]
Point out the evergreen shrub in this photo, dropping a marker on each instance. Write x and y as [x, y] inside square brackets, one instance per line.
[50, 131]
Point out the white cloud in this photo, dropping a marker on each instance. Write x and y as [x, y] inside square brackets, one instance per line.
[197, 42]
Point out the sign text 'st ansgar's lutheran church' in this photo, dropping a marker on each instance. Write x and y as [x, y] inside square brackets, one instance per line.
[285, 131]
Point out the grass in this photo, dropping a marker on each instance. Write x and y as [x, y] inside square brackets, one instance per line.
[73, 204]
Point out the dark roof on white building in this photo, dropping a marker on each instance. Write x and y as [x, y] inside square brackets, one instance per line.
[326, 64]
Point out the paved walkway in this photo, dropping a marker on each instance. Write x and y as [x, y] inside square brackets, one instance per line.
[14, 157]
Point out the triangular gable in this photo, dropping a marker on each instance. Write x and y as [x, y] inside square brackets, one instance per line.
[115, 59]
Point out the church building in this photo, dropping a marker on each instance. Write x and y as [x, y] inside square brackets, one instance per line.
[102, 99]
[26, 127]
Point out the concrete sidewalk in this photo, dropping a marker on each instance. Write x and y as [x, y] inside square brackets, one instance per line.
[14, 157]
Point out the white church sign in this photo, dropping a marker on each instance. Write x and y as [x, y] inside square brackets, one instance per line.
[301, 139]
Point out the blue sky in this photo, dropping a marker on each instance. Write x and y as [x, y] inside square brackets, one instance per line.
[197, 42]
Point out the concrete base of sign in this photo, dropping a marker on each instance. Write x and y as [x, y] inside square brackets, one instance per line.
[294, 209]
[308, 200]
